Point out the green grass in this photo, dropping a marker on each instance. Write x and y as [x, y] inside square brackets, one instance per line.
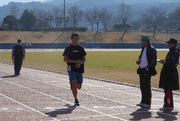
[117, 66]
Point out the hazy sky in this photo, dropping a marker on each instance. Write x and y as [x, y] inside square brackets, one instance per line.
[5, 2]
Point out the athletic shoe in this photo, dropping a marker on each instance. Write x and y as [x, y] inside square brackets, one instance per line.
[146, 106]
[140, 104]
[166, 109]
[76, 102]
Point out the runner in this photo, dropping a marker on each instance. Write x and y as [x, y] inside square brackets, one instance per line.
[74, 56]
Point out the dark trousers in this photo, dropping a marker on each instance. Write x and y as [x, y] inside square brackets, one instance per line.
[145, 87]
[17, 66]
[168, 98]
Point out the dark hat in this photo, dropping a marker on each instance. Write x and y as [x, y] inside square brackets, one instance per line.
[173, 41]
[144, 37]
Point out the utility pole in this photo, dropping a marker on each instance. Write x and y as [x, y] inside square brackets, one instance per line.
[64, 15]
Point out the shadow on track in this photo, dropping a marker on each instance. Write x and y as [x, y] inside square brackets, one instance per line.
[62, 111]
[167, 117]
[140, 114]
[10, 76]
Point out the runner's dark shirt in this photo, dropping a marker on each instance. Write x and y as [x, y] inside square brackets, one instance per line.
[75, 53]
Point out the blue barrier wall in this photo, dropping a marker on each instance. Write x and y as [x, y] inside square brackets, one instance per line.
[85, 45]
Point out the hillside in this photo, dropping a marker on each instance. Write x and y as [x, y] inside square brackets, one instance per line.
[138, 7]
[59, 37]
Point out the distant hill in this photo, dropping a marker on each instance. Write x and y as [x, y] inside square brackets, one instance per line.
[113, 1]
[137, 6]
[5, 10]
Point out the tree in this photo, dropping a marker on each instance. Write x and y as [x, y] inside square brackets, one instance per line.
[96, 17]
[41, 19]
[174, 19]
[10, 21]
[28, 19]
[57, 16]
[123, 18]
[75, 14]
[93, 16]
[105, 17]
[88, 16]
[120, 27]
[153, 19]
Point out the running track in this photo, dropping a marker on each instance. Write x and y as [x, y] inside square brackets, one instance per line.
[38, 95]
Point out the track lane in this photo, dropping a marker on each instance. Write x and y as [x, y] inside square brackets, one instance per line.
[112, 104]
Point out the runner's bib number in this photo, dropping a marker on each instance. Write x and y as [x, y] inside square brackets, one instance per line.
[69, 68]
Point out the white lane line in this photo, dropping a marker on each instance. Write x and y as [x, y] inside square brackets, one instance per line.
[120, 91]
[83, 117]
[40, 74]
[100, 97]
[156, 111]
[94, 86]
[108, 115]
[27, 106]
[95, 95]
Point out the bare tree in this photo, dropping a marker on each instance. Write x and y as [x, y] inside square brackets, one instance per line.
[57, 14]
[75, 14]
[50, 19]
[96, 17]
[153, 19]
[93, 16]
[105, 17]
[174, 19]
[88, 16]
[41, 19]
[124, 15]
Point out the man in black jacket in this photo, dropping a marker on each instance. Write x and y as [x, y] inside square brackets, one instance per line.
[147, 63]
[169, 79]
[18, 55]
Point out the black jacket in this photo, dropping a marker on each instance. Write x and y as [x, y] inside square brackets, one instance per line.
[18, 52]
[169, 78]
[151, 54]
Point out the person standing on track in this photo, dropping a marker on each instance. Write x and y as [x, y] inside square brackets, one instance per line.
[18, 55]
[74, 56]
[169, 77]
[147, 63]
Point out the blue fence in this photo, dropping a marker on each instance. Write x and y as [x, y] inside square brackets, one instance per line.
[85, 45]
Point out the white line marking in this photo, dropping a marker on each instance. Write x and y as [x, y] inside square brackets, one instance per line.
[87, 93]
[108, 115]
[100, 87]
[81, 92]
[111, 107]
[26, 105]
[101, 97]
[96, 96]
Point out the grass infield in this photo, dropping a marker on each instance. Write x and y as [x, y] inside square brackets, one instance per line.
[116, 65]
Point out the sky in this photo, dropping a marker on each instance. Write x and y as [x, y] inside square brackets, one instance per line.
[5, 2]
